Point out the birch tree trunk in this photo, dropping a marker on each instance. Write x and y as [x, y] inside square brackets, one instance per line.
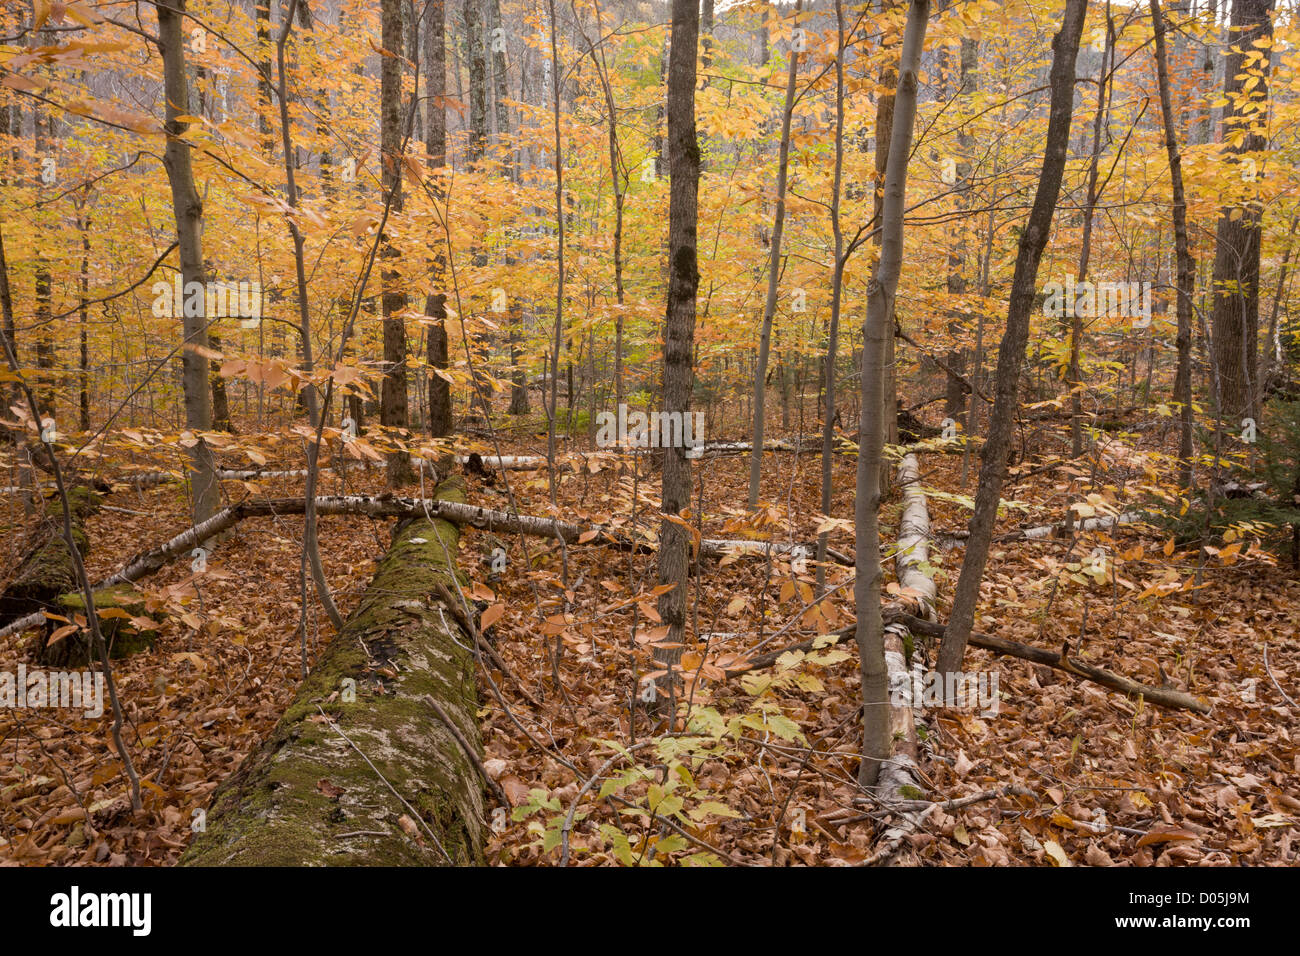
[876, 329]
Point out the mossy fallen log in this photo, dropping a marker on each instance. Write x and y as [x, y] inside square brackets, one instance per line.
[127, 626]
[361, 769]
[46, 571]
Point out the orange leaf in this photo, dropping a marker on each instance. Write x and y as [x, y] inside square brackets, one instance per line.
[491, 616]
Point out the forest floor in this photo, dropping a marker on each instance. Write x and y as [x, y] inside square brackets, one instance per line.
[1114, 780]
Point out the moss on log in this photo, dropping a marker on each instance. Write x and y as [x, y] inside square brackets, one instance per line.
[323, 790]
[46, 571]
[123, 620]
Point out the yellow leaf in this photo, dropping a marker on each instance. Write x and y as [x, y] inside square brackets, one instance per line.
[1054, 851]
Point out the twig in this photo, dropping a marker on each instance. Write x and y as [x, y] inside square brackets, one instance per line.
[469, 751]
[1274, 679]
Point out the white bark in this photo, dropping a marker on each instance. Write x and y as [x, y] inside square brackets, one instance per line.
[919, 592]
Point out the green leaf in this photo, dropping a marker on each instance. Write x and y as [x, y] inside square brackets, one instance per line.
[711, 808]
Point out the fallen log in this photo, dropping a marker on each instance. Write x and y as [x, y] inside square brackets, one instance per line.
[125, 623]
[476, 463]
[709, 449]
[369, 764]
[900, 780]
[391, 506]
[1059, 530]
[1163, 696]
[46, 571]
[900, 775]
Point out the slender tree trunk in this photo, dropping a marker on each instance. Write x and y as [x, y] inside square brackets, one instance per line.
[393, 412]
[1235, 316]
[1186, 279]
[10, 345]
[83, 326]
[968, 78]
[618, 182]
[499, 90]
[706, 35]
[11, 121]
[837, 295]
[435, 131]
[1011, 354]
[884, 130]
[309, 396]
[679, 321]
[1075, 375]
[262, 13]
[518, 375]
[773, 271]
[189, 224]
[476, 56]
[559, 254]
[1273, 340]
[878, 327]
[45, 145]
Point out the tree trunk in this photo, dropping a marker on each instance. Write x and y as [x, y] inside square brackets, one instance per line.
[1186, 280]
[885, 104]
[518, 375]
[877, 328]
[618, 182]
[955, 391]
[83, 327]
[773, 271]
[837, 296]
[10, 393]
[552, 406]
[499, 90]
[679, 321]
[1011, 353]
[1235, 316]
[1075, 375]
[45, 146]
[189, 226]
[393, 413]
[477, 60]
[435, 131]
[308, 396]
[383, 778]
